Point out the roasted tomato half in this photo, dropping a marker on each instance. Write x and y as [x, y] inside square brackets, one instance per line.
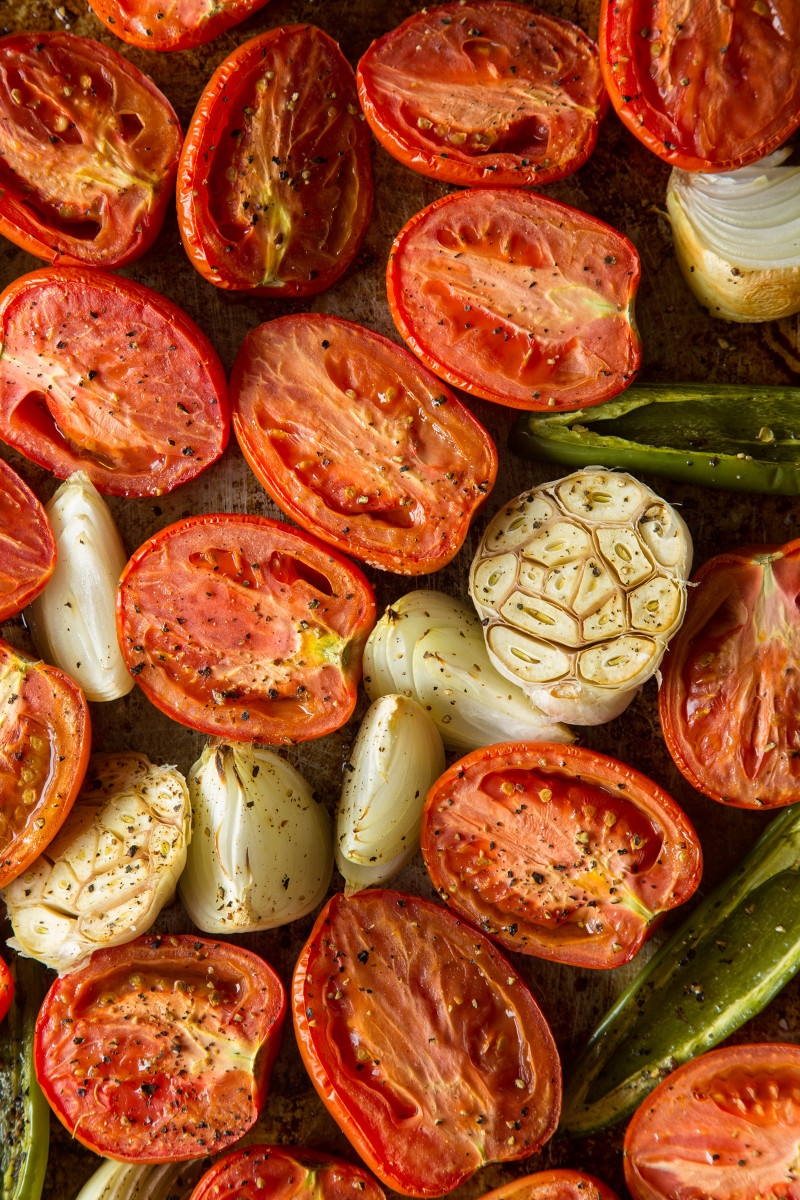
[422, 1041]
[172, 26]
[6, 989]
[730, 695]
[706, 86]
[245, 628]
[45, 737]
[558, 851]
[359, 443]
[275, 184]
[558, 1184]
[88, 151]
[485, 92]
[102, 375]
[724, 1126]
[27, 545]
[160, 1049]
[517, 298]
[289, 1173]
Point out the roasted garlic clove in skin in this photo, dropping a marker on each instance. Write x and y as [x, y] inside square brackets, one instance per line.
[580, 584]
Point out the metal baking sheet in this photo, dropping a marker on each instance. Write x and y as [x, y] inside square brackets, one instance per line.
[623, 184]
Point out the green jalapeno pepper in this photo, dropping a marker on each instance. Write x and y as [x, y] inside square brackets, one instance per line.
[716, 435]
[24, 1112]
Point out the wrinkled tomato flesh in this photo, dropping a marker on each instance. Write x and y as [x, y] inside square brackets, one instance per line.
[27, 545]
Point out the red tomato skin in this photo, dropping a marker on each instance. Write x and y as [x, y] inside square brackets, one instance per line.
[735, 65]
[291, 377]
[6, 989]
[515, 46]
[124, 1110]
[290, 1173]
[724, 1126]
[495, 820]
[27, 545]
[295, 625]
[557, 1184]
[728, 701]
[79, 318]
[47, 732]
[144, 23]
[128, 226]
[385, 1114]
[474, 346]
[232, 129]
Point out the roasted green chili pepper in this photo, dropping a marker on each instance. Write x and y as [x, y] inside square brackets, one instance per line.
[724, 964]
[24, 1112]
[718, 435]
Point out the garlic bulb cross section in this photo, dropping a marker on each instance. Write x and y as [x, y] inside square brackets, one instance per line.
[261, 852]
[580, 584]
[111, 868]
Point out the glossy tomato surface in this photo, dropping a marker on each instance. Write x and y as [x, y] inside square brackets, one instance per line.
[558, 851]
[558, 1184]
[275, 184]
[517, 298]
[487, 92]
[707, 86]
[245, 628]
[88, 151]
[289, 1173]
[172, 25]
[724, 1126]
[161, 1048]
[6, 989]
[359, 443]
[422, 1041]
[27, 545]
[729, 702]
[45, 737]
[103, 375]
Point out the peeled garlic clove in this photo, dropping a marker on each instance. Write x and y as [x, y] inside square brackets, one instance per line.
[111, 868]
[396, 758]
[261, 852]
[737, 238]
[584, 616]
[73, 621]
[131, 1181]
[389, 654]
[471, 704]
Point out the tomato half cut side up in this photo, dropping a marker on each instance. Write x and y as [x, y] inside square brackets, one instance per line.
[289, 1173]
[160, 1049]
[27, 545]
[706, 86]
[245, 628]
[557, 1184]
[101, 374]
[725, 1126]
[517, 299]
[88, 151]
[359, 443]
[275, 183]
[558, 851]
[186, 23]
[6, 988]
[45, 738]
[423, 1111]
[486, 92]
[729, 701]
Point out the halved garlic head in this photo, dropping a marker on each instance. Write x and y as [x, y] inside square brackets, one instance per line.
[737, 238]
[580, 585]
[430, 646]
[397, 756]
[73, 621]
[111, 868]
[134, 1181]
[261, 852]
